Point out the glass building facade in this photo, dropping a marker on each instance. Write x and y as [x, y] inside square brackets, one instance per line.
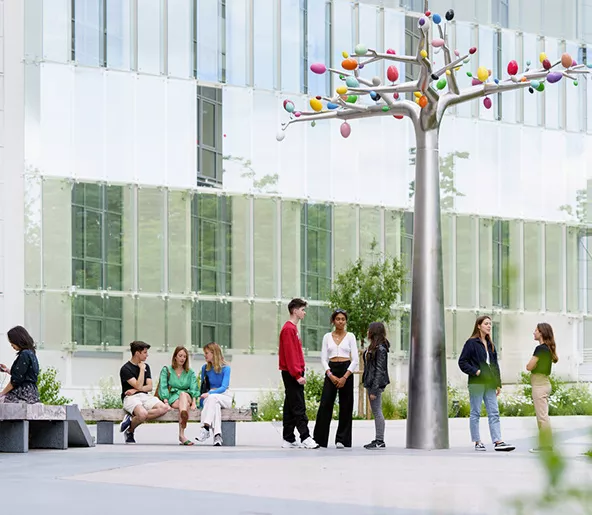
[159, 206]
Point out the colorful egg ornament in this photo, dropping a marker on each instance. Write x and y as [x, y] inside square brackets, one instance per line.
[345, 129]
[390, 51]
[345, 54]
[331, 105]
[546, 64]
[392, 73]
[316, 104]
[352, 82]
[449, 15]
[341, 90]
[318, 68]
[423, 54]
[487, 103]
[542, 57]
[360, 49]
[280, 135]
[512, 67]
[482, 73]
[441, 84]
[472, 50]
[352, 99]
[423, 101]
[566, 60]
[554, 77]
[437, 19]
[349, 64]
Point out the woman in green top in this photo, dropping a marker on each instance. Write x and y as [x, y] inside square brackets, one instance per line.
[178, 388]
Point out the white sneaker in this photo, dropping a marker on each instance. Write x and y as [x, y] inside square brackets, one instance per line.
[203, 435]
[218, 440]
[291, 445]
[339, 445]
[309, 443]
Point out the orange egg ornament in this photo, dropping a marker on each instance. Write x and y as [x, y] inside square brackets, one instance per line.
[349, 64]
[423, 101]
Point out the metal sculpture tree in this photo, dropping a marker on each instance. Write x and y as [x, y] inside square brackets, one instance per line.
[427, 422]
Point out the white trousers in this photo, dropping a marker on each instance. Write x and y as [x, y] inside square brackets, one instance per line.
[211, 413]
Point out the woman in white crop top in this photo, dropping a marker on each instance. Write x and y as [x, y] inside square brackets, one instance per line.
[339, 357]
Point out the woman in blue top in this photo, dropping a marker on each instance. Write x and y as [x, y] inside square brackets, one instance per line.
[24, 371]
[215, 379]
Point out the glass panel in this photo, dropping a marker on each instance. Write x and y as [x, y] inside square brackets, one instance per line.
[465, 321]
[345, 248]
[149, 36]
[119, 34]
[179, 324]
[236, 42]
[241, 325]
[314, 326]
[488, 56]
[368, 30]
[208, 127]
[33, 221]
[151, 319]
[509, 99]
[128, 241]
[342, 30]
[150, 240]
[575, 99]
[56, 316]
[180, 37]
[447, 255]
[370, 237]
[208, 39]
[266, 317]
[316, 251]
[33, 315]
[553, 91]
[291, 240]
[531, 102]
[485, 263]
[179, 244]
[241, 241]
[392, 233]
[265, 248]
[533, 266]
[291, 48]
[572, 267]
[129, 321]
[56, 46]
[407, 255]
[451, 347]
[57, 234]
[464, 40]
[553, 267]
[264, 50]
[317, 40]
[120, 128]
[465, 262]
[87, 31]
[514, 265]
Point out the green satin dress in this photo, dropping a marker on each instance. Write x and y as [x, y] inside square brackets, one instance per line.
[171, 386]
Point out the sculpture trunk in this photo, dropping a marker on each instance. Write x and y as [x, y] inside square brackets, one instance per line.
[427, 420]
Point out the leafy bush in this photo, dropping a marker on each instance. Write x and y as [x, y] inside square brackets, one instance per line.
[108, 397]
[49, 387]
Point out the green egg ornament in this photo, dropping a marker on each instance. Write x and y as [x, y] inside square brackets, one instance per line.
[352, 99]
[385, 108]
[441, 84]
[469, 74]
[575, 82]
[313, 123]
[541, 87]
[360, 49]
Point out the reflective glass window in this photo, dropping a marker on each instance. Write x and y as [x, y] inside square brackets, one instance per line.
[533, 266]
[318, 19]
[211, 321]
[208, 39]
[531, 101]
[554, 282]
[87, 23]
[150, 36]
[314, 326]
[151, 244]
[291, 246]
[407, 255]
[209, 136]
[56, 18]
[180, 38]
[316, 250]
[118, 20]
[265, 244]
[264, 49]
[293, 39]
[97, 320]
[466, 246]
[236, 42]
[501, 263]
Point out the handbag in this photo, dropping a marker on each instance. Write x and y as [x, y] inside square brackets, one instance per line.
[204, 387]
[168, 384]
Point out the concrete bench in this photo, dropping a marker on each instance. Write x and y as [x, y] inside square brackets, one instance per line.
[37, 426]
[106, 418]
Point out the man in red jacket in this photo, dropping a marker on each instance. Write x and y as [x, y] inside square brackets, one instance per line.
[292, 366]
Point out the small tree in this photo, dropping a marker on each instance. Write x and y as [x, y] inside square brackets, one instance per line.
[367, 292]
[49, 388]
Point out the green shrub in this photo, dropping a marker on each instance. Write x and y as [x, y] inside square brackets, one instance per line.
[458, 403]
[108, 397]
[49, 387]
[565, 399]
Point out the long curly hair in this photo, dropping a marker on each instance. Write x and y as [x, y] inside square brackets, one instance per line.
[174, 360]
[377, 336]
[219, 362]
[548, 339]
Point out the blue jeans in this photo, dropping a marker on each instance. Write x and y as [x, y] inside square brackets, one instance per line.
[479, 393]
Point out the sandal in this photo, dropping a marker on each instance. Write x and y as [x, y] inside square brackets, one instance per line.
[187, 442]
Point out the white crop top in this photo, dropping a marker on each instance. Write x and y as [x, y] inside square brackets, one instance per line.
[348, 348]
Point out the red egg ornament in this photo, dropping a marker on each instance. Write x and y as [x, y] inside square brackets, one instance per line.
[487, 103]
[398, 116]
[472, 50]
[392, 73]
[512, 67]
[391, 51]
[546, 64]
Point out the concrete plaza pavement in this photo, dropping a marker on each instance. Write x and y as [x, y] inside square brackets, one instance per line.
[258, 478]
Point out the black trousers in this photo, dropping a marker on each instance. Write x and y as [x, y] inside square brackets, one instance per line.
[294, 409]
[346, 407]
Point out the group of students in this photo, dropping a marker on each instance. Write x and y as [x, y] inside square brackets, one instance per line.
[178, 386]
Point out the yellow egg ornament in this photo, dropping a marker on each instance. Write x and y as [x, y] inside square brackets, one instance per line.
[482, 73]
[423, 54]
[417, 94]
[542, 56]
[341, 90]
[345, 54]
[316, 104]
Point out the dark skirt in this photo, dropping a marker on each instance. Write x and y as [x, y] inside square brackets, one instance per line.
[27, 393]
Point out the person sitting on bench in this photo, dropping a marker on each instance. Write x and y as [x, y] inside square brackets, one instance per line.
[136, 386]
[24, 371]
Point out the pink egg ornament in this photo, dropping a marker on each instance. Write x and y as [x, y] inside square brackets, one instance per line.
[318, 68]
[345, 129]
[487, 103]
[392, 73]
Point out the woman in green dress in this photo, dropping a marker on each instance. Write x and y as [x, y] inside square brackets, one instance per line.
[178, 388]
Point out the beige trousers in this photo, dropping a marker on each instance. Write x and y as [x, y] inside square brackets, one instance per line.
[211, 413]
[541, 389]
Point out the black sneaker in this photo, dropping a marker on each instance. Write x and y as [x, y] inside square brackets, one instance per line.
[129, 437]
[479, 446]
[125, 423]
[375, 444]
[503, 446]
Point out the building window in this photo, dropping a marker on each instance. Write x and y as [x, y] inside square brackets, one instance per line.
[316, 250]
[496, 337]
[97, 320]
[209, 40]
[304, 42]
[407, 255]
[314, 326]
[501, 263]
[500, 11]
[97, 236]
[405, 331]
[211, 322]
[209, 136]
[411, 48]
[211, 244]
[497, 69]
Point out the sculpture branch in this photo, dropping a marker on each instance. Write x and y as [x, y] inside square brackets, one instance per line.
[449, 64]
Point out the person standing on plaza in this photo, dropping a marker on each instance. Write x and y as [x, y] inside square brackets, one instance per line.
[136, 386]
[178, 388]
[478, 360]
[539, 366]
[24, 372]
[339, 358]
[215, 384]
[375, 378]
[292, 366]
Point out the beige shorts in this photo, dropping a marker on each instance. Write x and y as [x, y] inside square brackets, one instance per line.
[131, 402]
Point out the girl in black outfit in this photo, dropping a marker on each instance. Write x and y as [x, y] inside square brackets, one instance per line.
[376, 378]
[24, 371]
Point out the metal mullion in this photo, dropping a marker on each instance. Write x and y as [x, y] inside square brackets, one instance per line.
[103, 190]
[103, 34]
[134, 35]
[164, 39]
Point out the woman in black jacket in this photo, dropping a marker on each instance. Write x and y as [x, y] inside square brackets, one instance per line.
[478, 360]
[24, 371]
[375, 378]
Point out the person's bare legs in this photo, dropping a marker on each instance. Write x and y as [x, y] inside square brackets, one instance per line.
[141, 415]
[182, 404]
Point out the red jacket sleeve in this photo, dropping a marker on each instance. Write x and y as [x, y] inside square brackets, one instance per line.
[292, 353]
